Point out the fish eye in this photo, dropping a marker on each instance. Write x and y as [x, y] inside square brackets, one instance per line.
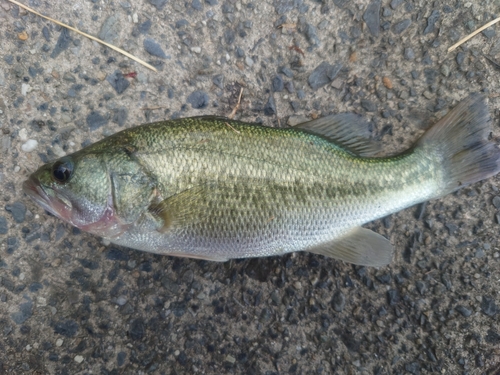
[62, 170]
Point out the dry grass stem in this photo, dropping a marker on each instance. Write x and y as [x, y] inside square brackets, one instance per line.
[233, 129]
[233, 112]
[463, 40]
[86, 35]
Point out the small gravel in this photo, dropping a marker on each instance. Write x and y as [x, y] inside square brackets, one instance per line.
[198, 99]
[110, 29]
[118, 81]
[158, 4]
[368, 105]
[153, 48]
[137, 329]
[431, 22]
[277, 84]
[17, 210]
[323, 74]
[270, 106]
[96, 120]
[401, 26]
[63, 43]
[24, 313]
[338, 301]
[67, 328]
[464, 311]
[30, 145]
[372, 17]
[488, 306]
[4, 227]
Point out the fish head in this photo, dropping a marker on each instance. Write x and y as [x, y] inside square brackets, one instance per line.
[76, 189]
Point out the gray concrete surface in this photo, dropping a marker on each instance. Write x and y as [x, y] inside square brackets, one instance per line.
[71, 304]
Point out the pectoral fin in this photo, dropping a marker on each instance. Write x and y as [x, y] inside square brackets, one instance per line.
[360, 246]
[181, 209]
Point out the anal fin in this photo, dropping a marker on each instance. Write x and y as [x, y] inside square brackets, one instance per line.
[359, 246]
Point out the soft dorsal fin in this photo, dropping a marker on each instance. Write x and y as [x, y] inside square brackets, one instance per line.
[347, 130]
[360, 246]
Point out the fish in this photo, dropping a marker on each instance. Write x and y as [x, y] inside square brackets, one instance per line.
[217, 189]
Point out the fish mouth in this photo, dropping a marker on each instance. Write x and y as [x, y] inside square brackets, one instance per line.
[33, 189]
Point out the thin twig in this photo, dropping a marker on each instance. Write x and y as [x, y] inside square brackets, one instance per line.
[86, 35]
[461, 41]
[236, 131]
[233, 112]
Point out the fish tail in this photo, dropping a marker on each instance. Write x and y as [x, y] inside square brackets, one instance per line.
[461, 140]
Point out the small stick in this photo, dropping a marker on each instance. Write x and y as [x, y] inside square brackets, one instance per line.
[461, 41]
[233, 112]
[87, 35]
[236, 131]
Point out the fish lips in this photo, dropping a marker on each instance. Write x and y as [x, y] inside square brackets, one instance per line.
[108, 225]
[34, 189]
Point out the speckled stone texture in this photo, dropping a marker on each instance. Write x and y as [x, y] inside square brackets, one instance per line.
[71, 304]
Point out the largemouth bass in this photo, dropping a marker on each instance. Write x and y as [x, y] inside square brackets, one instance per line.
[217, 189]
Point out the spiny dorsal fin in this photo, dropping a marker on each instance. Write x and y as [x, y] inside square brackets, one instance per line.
[347, 130]
[360, 246]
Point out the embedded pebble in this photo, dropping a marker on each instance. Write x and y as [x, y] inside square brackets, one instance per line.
[95, 120]
[401, 26]
[24, 313]
[110, 30]
[338, 301]
[63, 43]
[17, 210]
[248, 61]
[158, 4]
[118, 81]
[198, 99]
[488, 306]
[270, 107]
[368, 105]
[25, 88]
[496, 201]
[3, 225]
[30, 145]
[122, 300]
[463, 310]
[277, 83]
[154, 48]
[323, 74]
[67, 328]
[372, 17]
[431, 22]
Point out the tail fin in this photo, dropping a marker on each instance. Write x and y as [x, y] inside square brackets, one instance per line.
[462, 139]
